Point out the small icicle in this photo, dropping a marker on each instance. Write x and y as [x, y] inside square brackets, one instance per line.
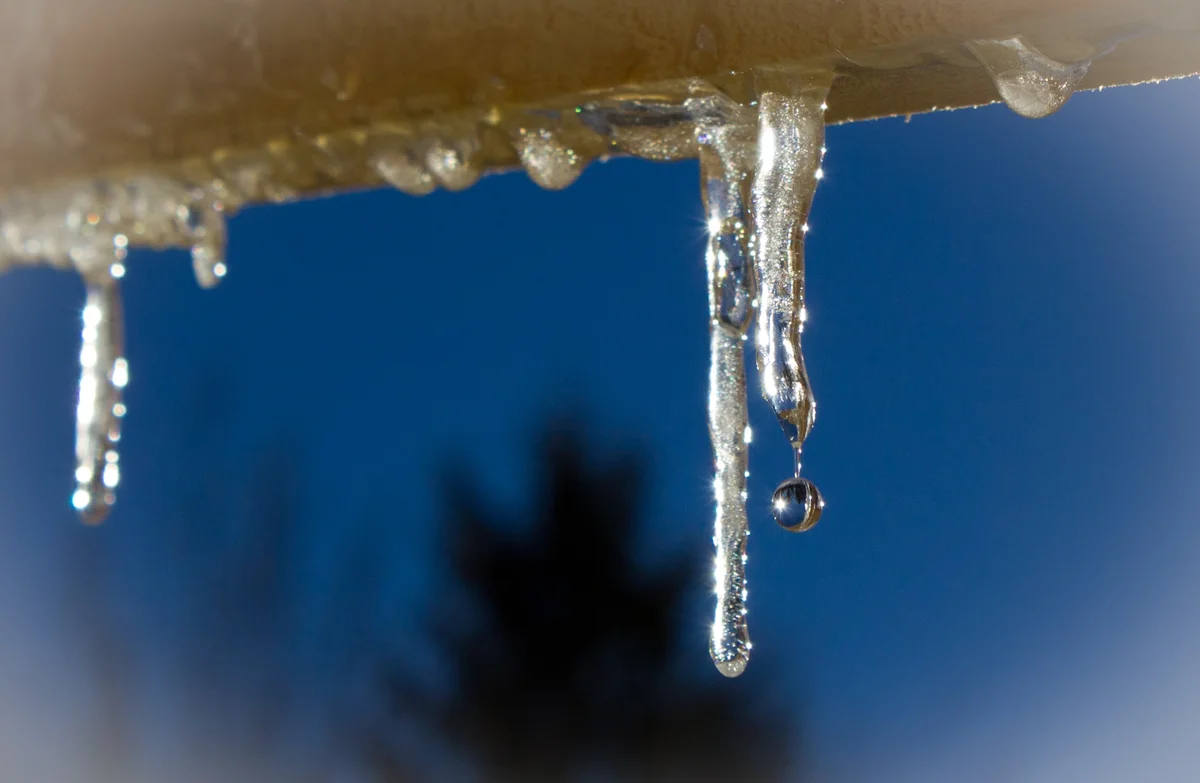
[208, 254]
[102, 378]
[1032, 84]
[549, 161]
[791, 132]
[726, 170]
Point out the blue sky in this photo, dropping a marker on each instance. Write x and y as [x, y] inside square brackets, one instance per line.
[1001, 341]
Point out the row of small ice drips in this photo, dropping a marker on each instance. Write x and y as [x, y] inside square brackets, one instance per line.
[87, 225]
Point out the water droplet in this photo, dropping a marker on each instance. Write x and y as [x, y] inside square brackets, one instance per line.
[103, 374]
[548, 159]
[726, 172]
[451, 160]
[1032, 84]
[395, 159]
[797, 504]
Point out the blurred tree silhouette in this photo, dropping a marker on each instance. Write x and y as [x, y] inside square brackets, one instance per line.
[233, 689]
[558, 653]
[562, 649]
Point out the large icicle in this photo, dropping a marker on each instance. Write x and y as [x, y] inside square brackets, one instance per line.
[726, 146]
[103, 375]
[791, 132]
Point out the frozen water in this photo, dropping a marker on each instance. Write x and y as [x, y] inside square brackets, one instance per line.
[791, 133]
[726, 146]
[790, 146]
[451, 158]
[1032, 84]
[394, 158]
[103, 374]
[545, 152]
[208, 254]
[655, 125]
[760, 153]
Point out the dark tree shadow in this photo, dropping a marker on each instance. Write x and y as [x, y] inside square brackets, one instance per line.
[557, 651]
[561, 648]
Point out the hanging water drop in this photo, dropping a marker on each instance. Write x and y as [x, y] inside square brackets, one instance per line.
[393, 158]
[103, 375]
[790, 143]
[797, 504]
[547, 158]
[1032, 84]
[452, 161]
[726, 171]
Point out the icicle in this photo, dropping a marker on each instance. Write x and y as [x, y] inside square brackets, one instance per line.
[103, 375]
[726, 171]
[791, 130]
[1032, 84]
[208, 254]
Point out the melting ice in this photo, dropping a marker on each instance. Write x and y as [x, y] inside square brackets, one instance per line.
[791, 132]
[103, 373]
[90, 229]
[760, 152]
[726, 170]
[1032, 84]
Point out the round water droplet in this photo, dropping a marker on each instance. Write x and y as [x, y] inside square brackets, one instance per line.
[797, 505]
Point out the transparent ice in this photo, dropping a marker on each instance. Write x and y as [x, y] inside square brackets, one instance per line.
[1032, 84]
[544, 149]
[726, 147]
[103, 374]
[758, 135]
[791, 133]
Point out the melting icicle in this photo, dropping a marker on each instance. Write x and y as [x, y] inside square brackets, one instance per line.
[1032, 84]
[208, 254]
[103, 375]
[726, 172]
[791, 130]
[547, 158]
